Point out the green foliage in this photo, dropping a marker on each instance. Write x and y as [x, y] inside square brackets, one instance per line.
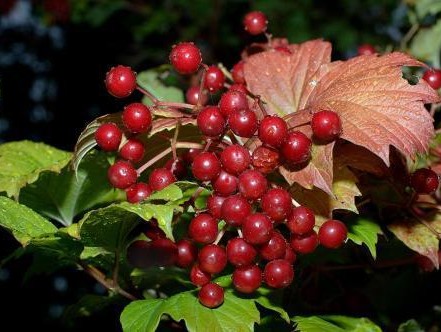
[365, 231]
[150, 80]
[334, 324]
[410, 326]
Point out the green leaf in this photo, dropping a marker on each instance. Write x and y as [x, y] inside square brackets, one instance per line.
[22, 162]
[424, 7]
[427, 43]
[85, 307]
[22, 222]
[150, 81]
[63, 196]
[365, 231]
[266, 299]
[410, 326]
[334, 324]
[235, 314]
[169, 193]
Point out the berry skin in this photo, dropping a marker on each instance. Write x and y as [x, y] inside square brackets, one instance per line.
[265, 159]
[160, 178]
[133, 150]
[187, 253]
[332, 234]
[152, 230]
[211, 295]
[108, 137]
[278, 273]
[206, 166]
[237, 72]
[275, 248]
[247, 279]
[290, 255]
[138, 192]
[301, 220]
[137, 118]
[433, 77]
[192, 96]
[211, 121]
[203, 228]
[214, 205]
[198, 277]
[273, 131]
[232, 101]
[177, 167]
[190, 154]
[297, 148]
[185, 58]
[238, 87]
[235, 159]
[326, 126]
[225, 184]
[424, 181]
[366, 49]
[240, 252]
[120, 81]
[212, 258]
[243, 122]
[305, 244]
[122, 174]
[235, 209]
[276, 203]
[255, 22]
[252, 184]
[214, 79]
[257, 228]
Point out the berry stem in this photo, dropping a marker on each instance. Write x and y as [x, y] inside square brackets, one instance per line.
[201, 88]
[174, 105]
[148, 94]
[408, 36]
[239, 232]
[225, 71]
[295, 203]
[219, 236]
[175, 139]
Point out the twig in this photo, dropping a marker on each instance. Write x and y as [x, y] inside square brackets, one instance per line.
[408, 36]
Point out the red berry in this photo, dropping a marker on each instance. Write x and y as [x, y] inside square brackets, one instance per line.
[190, 154]
[235, 209]
[366, 49]
[255, 22]
[198, 277]
[158, 252]
[206, 166]
[273, 131]
[122, 174]
[203, 228]
[238, 73]
[225, 184]
[290, 255]
[297, 148]
[187, 253]
[177, 167]
[305, 244]
[210, 121]
[433, 77]
[424, 181]
[332, 234]
[214, 205]
[212, 258]
[120, 81]
[137, 252]
[235, 159]
[283, 49]
[278, 273]
[276, 203]
[214, 79]
[160, 178]
[138, 192]
[243, 122]
[247, 279]
[192, 96]
[275, 248]
[108, 136]
[265, 159]
[238, 87]
[133, 150]
[185, 58]
[257, 228]
[152, 230]
[301, 221]
[232, 101]
[137, 118]
[240, 252]
[326, 126]
[211, 295]
[252, 184]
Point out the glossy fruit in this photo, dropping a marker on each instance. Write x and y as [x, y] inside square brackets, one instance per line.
[265, 159]
[214, 205]
[211, 295]
[133, 150]
[366, 49]
[192, 96]
[152, 230]
[137, 118]
[211, 121]
[199, 277]
[235, 209]
[206, 166]
[108, 136]
[304, 244]
[278, 273]
[225, 184]
[232, 101]
[257, 228]
[301, 220]
[252, 184]
[332, 234]
[273, 131]
[214, 79]
[190, 154]
[187, 253]
[120, 81]
[238, 87]
[255, 22]
[240, 252]
[243, 122]
[424, 181]
[212, 258]
[276, 203]
[290, 254]
[177, 167]
[185, 58]
[203, 228]
[237, 72]
[235, 159]
[138, 192]
[160, 178]
[122, 174]
[297, 148]
[433, 77]
[326, 126]
[247, 279]
[275, 248]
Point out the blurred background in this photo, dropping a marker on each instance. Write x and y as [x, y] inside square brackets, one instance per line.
[54, 55]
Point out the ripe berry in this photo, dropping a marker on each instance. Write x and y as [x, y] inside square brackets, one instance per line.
[185, 58]
[424, 181]
[366, 49]
[138, 192]
[326, 126]
[160, 178]
[122, 174]
[214, 205]
[247, 279]
[252, 184]
[243, 122]
[108, 136]
[273, 131]
[206, 166]
[120, 81]
[255, 22]
[192, 96]
[187, 253]
[235, 159]
[433, 77]
[133, 150]
[212, 258]
[203, 228]
[304, 244]
[257, 228]
[238, 87]
[198, 277]
[276, 203]
[332, 234]
[240, 252]
[290, 255]
[275, 248]
[237, 72]
[177, 167]
[190, 154]
[152, 230]
[211, 295]
[232, 101]
[210, 121]
[265, 159]
[225, 184]
[137, 118]
[278, 273]
[235, 209]
[297, 148]
[301, 221]
[214, 79]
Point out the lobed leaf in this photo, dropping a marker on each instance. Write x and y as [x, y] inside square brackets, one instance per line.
[334, 324]
[365, 231]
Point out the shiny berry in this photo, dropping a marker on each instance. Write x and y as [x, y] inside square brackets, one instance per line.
[235, 159]
[238, 87]
[243, 122]
[232, 101]
[177, 167]
[137, 118]
[424, 181]
[275, 248]
[138, 192]
[240, 252]
[326, 126]
[225, 184]
[133, 150]
[290, 254]
[206, 166]
[198, 277]
[276, 203]
[185, 58]
[214, 79]
[305, 244]
[252, 184]
[192, 96]
[211, 121]
[273, 131]
[187, 253]
[301, 220]
[247, 279]
[160, 178]
[122, 174]
[255, 22]
[332, 234]
[257, 228]
[203, 228]
[211, 295]
[238, 73]
[212, 258]
[108, 136]
[366, 49]
[265, 159]
[297, 148]
[214, 205]
[278, 273]
[235, 209]
[120, 81]
[433, 77]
